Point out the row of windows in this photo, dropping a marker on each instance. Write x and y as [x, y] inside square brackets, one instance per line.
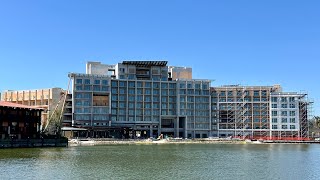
[196, 106]
[283, 99]
[284, 120]
[283, 106]
[241, 93]
[140, 84]
[89, 81]
[190, 85]
[132, 118]
[194, 113]
[82, 95]
[164, 92]
[140, 112]
[241, 100]
[91, 88]
[143, 105]
[284, 113]
[284, 127]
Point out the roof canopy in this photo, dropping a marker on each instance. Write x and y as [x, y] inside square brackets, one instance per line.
[15, 105]
[146, 63]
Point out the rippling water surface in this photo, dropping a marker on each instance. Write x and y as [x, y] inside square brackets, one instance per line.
[171, 161]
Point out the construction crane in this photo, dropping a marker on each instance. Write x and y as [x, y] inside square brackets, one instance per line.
[63, 97]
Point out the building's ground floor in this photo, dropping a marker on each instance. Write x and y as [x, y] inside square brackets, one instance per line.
[144, 131]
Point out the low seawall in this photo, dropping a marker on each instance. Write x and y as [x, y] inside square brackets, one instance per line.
[25, 143]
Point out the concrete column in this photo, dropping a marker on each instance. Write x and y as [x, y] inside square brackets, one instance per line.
[177, 127]
[151, 131]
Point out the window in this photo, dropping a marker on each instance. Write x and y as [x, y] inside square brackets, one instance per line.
[131, 91]
[182, 91]
[182, 86]
[274, 99]
[131, 84]
[172, 86]
[292, 113]
[122, 91]
[164, 99]
[283, 99]
[131, 98]
[131, 105]
[114, 98]
[79, 87]
[122, 70]
[292, 106]
[164, 92]
[122, 98]
[292, 120]
[105, 82]
[114, 90]
[274, 126]
[131, 76]
[155, 92]
[284, 113]
[284, 127]
[291, 99]
[147, 84]
[114, 83]
[122, 84]
[131, 112]
[284, 105]
[292, 127]
[79, 81]
[155, 85]
[147, 98]
[164, 85]
[172, 92]
[155, 98]
[204, 86]
[274, 105]
[96, 81]
[284, 120]
[274, 120]
[104, 88]
[148, 91]
[96, 88]
[87, 81]
[139, 91]
[140, 98]
[274, 113]
[256, 93]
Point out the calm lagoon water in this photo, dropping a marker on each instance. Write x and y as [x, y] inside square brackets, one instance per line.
[169, 161]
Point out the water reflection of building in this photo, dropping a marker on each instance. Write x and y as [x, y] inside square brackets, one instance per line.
[149, 98]
[19, 121]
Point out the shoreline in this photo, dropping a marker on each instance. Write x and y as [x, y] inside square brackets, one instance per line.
[96, 141]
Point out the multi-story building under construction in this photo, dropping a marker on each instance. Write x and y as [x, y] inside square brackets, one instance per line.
[259, 112]
[149, 98]
[48, 99]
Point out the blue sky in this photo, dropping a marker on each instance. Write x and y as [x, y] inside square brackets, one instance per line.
[233, 42]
